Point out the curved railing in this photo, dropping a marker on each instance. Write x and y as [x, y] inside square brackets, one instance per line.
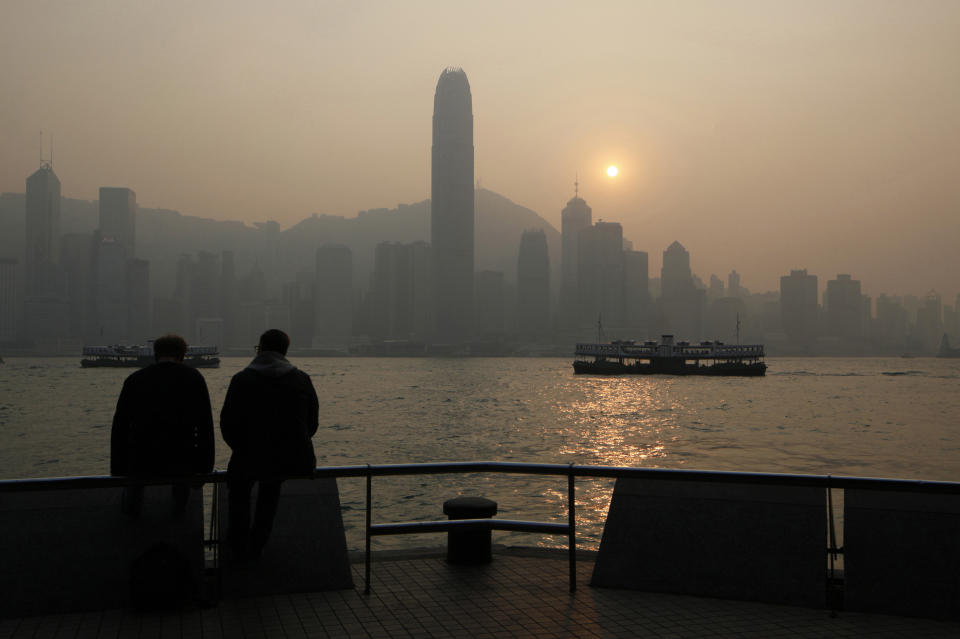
[520, 468]
[570, 471]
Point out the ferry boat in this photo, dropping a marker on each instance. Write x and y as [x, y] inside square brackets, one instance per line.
[119, 356]
[666, 357]
[946, 350]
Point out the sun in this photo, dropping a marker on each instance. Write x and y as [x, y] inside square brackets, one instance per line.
[612, 171]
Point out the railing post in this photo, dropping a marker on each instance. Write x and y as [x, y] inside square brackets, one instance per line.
[214, 540]
[572, 522]
[366, 563]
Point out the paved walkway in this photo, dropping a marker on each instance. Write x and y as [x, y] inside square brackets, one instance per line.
[519, 595]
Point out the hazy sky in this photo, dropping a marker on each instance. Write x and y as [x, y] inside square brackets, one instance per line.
[762, 135]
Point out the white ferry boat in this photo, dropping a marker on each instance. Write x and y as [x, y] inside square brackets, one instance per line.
[667, 357]
[120, 356]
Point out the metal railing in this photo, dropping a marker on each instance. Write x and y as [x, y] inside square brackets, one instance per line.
[549, 528]
[570, 471]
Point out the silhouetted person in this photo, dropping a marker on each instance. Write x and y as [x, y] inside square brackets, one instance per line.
[269, 415]
[163, 425]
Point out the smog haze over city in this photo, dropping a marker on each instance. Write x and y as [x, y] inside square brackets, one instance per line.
[765, 137]
[769, 136]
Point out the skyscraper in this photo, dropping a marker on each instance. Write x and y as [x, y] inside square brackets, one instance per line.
[228, 298]
[110, 291]
[138, 300]
[118, 209]
[733, 284]
[798, 306]
[636, 291]
[601, 275]
[389, 298]
[76, 260]
[844, 308]
[44, 308]
[676, 278]
[8, 299]
[681, 304]
[533, 285]
[575, 217]
[452, 207]
[929, 327]
[113, 246]
[42, 233]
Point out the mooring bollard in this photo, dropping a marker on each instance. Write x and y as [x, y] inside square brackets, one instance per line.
[469, 546]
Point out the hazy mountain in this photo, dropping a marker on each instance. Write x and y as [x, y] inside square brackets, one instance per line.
[164, 235]
[500, 223]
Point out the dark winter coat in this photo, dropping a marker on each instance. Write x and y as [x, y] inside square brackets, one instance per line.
[269, 415]
[163, 424]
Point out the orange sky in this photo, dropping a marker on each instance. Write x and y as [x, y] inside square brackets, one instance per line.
[764, 136]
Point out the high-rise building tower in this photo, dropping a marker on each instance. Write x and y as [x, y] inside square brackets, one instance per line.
[891, 323]
[113, 247]
[110, 291]
[8, 299]
[398, 303]
[733, 284]
[43, 233]
[600, 276]
[44, 309]
[533, 285]
[929, 326]
[798, 306]
[452, 207]
[389, 298]
[636, 291]
[844, 312]
[575, 217]
[228, 298]
[118, 210]
[138, 301]
[681, 304]
[676, 278]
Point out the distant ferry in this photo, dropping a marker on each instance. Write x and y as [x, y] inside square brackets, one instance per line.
[946, 350]
[667, 357]
[119, 356]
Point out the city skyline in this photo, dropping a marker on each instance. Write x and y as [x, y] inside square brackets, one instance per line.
[870, 287]
[826, 132]
[97, 288]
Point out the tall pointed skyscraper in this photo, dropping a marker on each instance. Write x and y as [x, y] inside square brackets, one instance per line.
[44, 307]
[43, 232]
[451, 215]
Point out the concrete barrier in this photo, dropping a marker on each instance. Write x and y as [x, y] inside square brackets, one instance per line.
[307, 550]
[72, 550]
[902, 553]
[756, 543]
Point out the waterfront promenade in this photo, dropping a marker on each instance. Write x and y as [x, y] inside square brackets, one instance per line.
[523, 593]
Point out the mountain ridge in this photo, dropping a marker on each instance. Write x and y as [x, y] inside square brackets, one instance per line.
[163, 235]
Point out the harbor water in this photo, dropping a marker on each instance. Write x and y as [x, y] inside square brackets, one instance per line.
[893, 417]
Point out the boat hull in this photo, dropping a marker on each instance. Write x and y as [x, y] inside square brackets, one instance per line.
[725, 369]
[141, 362]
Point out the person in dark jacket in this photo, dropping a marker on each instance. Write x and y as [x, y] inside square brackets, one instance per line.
[163, 425]
[269, 416]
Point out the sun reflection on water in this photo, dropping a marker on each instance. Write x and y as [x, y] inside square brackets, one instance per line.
[621, 422]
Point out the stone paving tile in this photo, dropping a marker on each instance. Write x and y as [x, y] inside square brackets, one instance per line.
[515, 596]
